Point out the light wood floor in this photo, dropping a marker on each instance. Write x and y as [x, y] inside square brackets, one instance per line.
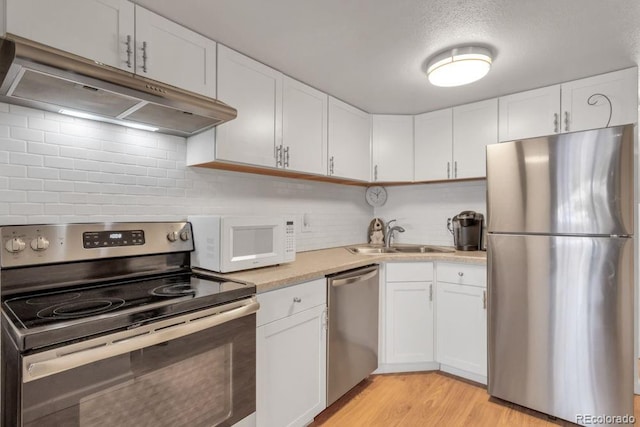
[428, 399]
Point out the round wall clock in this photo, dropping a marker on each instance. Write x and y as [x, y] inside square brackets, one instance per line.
[376, 195]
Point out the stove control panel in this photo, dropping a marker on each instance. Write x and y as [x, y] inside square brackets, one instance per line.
[57, 243]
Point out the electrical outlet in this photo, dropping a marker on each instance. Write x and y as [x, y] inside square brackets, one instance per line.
[306, 223]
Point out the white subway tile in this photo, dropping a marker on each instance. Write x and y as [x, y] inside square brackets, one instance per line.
[27, 134]
[43, 197]
[87, 165]
[26, 159]
[102, 199]
[157, 172]
[100, 177]
[59, 209]
[146, 161]
[4, 107]
[73, 175]
[59, 186]
[87, 210]
[4, 157]
[73, 198]
[73, 152]
[13, 120]
[25, 111]
[27, 209]
[39, 148]
[25, 184]
[8, 144]
[58, 162]
[4, 131]
[43, 124]
[13, 196]
[13, 170]
[146, 180]
[72, 141]
[43, 219]
[125, 179]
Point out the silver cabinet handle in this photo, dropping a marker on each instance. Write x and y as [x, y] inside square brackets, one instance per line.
[129, 51]
[484, 299]
[54, 361]
[375, 173]
[144, 57]
[460, 273]
[431, 292]
[286, 157]
[566, 121]
[331, 165]
[555, 122]
[360, 276]
[448, 170]
[297, 299]
[278, 155]
[455, 169]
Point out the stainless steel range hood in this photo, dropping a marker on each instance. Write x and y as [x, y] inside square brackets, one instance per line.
[38, 76]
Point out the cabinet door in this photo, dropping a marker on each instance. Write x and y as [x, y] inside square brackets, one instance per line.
[173, 54]
[530, 114]
[304, 127]
[255, 90]
[409, 322]
[461, 319]
[585, 107]
[291, 369]
[474, 127]
[392, 145]
[94, 29]
[433, 145]
[349, 141]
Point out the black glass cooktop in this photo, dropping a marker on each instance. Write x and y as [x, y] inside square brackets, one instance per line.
[56, 316]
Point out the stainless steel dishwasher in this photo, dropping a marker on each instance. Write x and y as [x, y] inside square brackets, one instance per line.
[352, 350]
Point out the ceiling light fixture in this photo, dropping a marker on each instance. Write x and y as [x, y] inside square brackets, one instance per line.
[459, 66]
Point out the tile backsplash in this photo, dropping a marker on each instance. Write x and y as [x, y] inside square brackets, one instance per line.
[423, 209]
[58, 169]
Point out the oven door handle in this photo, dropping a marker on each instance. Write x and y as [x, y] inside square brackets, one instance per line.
[62, 359]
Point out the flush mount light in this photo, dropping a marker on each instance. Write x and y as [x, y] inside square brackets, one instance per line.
[459, 66]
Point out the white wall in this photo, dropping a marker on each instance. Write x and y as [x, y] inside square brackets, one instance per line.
[57, 169]
[423, 209]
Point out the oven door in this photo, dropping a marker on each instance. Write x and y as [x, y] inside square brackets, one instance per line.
[192, 370]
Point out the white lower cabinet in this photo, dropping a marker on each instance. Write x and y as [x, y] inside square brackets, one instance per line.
[409, 317]
[291, 355]
[461, 320]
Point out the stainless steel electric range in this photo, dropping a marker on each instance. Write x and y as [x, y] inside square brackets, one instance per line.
[105, 324]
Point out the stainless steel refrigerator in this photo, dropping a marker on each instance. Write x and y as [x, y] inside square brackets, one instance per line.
[560, 273]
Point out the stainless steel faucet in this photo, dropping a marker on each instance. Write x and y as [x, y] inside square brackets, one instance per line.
[390, 231]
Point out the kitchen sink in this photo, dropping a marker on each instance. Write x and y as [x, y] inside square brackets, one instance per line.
[395, 249]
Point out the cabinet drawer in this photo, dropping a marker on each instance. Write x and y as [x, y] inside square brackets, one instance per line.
[464, 274]
[284, 302]
[409, 271]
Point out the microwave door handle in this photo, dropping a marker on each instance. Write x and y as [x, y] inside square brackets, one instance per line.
[118, 344]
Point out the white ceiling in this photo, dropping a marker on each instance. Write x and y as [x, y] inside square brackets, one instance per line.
[372, 53]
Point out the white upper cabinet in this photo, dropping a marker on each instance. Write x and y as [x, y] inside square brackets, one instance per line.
[304, 128]
[95, 29]
[530, 114]
[474, 127]
[119, 34]
[392, 145]
[433, 145]
[255, 90]
[595, 102]
[349, 141]
[601, 101]
[171, 53]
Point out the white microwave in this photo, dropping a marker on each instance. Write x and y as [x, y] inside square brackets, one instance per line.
[231, 243]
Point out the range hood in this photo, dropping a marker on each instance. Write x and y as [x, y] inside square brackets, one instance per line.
[38, 76]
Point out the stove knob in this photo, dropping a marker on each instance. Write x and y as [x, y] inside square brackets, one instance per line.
[40, 243]
[172, 236]
[184, 236]
[15, 245]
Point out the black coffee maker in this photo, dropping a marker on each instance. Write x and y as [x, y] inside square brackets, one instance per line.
[466, 228]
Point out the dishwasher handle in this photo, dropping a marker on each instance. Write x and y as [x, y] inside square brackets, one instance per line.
[354, 276]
